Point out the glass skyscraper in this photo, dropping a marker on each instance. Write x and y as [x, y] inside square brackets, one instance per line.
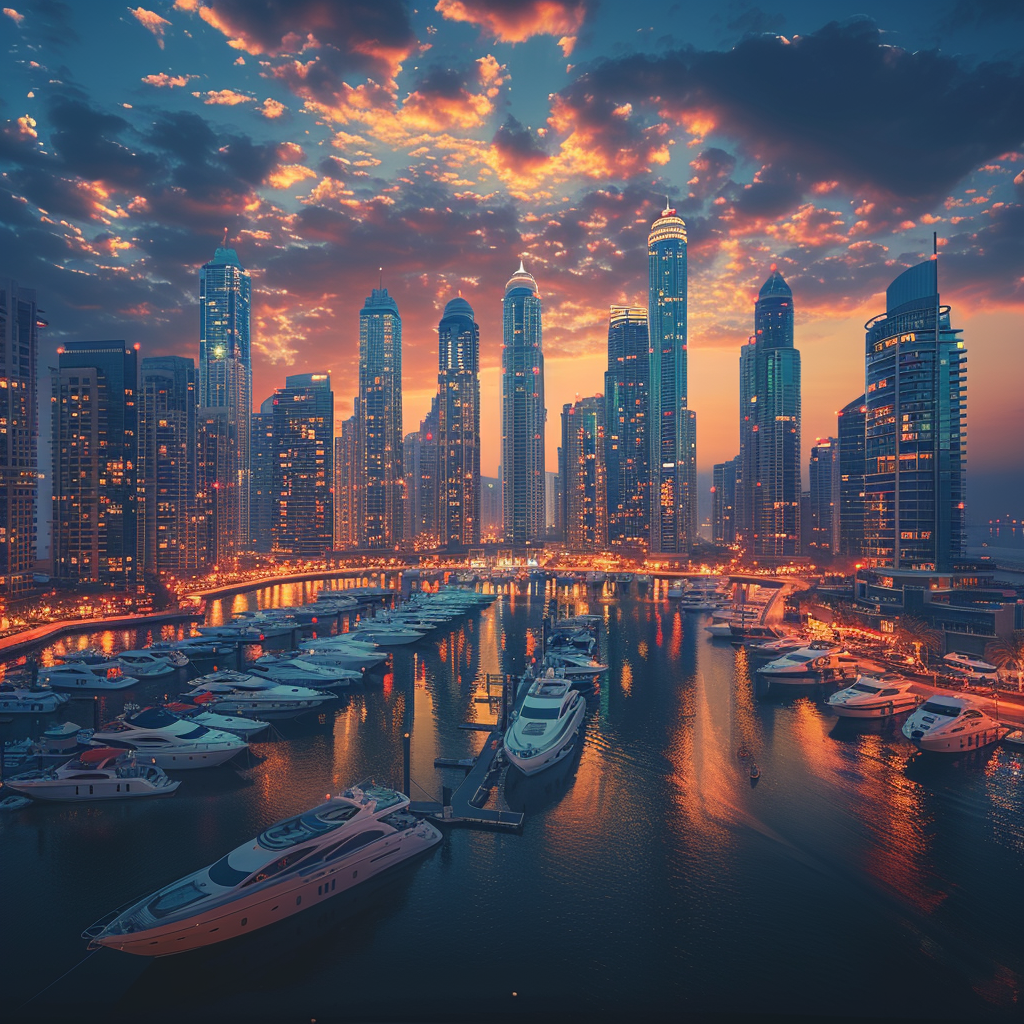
[522, 412]
[723, 501]
[915, 428]
[673, 468]
[823, 479]
[850, 434]
[380, 487]
[583, 440]
[627, 451]
[225, 386]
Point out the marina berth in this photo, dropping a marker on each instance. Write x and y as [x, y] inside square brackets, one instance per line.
[238, 693]
[292, 866]
[948, 724]
[874, 697]
[545, 729]
[100, 774]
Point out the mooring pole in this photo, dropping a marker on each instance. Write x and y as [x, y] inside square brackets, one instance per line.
[406, 752]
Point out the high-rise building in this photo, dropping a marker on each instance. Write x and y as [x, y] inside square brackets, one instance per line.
[95, 456]
[458, 442]
[550, 504]
[346, 472]
[523, 413]
[380, 488]
[673, 494]
[216, 456]
[410, 476]
[559, 516]
[915, 428]
[823, 478]
[262, 505]
[19, 476]
[303, 429]
[851, 478]
[627, 451]
[172, 520]
[491, 522]
[225, 384]
[770, 426]
[586, 484]
[723, 501]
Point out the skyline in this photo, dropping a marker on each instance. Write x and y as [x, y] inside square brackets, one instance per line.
[576, 202]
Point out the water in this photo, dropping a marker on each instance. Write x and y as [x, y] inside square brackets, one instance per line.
[853, 878]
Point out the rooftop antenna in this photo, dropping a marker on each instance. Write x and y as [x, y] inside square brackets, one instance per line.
[935, 243]
[381, 279]
[522, 269]
[668, 206]
[225, 244]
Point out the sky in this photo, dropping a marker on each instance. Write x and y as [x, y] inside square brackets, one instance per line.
[445, 141]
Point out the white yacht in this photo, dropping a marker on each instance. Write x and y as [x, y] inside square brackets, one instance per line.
[147, 664]
[776, 648]
[86, 677]
[238, 693]
[292, 866]
[386, 634]
[59, 743]
[197, 710]
[295, 669]
[194, 647]
[99, 774]
[952, 724]
[234, 633]
[271, 625]
[29, 700]
[797, 666]
[973, 668]
[344, 650]
[874, 697]
[87, 656]
[544, 730]
[575, 664]
[167, 740]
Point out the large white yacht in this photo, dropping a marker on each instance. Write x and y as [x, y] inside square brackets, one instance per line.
[29, 700]
[874, 697]
[196, 709]
[346, 651]
[292, 866]
[544, 730]
[148, 664]
[973, 668]
[79, 676]
[295, 669]
[950, 724]
[797, 666]
[168, 740]
[100, 774]
[238, 693]
[385, 633]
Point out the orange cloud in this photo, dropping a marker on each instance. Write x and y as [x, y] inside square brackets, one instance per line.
[272, 109]
[14, 15]
[288, 174]
[224, 97]
[517, 22]
[152, 22]
[165, 81]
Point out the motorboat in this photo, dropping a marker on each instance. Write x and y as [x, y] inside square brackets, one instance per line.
[238, 693]
[87, 656]
[344, 650]
[59, 743]
[99, 774]
[544, 729]
[973, 668]
[815, 659]
[295, 669]
[1015, 738]
[950, 724]
[777, 647]
[235, 633]
[574, 641]
[86, 677]
[269, 625]
[575, 664]
[643, 582]
[195, 647]
[167, 740]
[147, 664]
[17, 699]
[294, 865]
[197, 710]
[874, 697]
[386, 634]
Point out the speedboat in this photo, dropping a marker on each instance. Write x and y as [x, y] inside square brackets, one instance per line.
[86, 677]
[238, 693]
[874, 697]
[99, 774]
[951, 724]
[574, 641]
[197, 710]
[973, 668]
[294, 865]
[29, 700]
[167, 740]
[344, 651]
[148, 664]
[295, 669]
[818, 657]
[544, 730]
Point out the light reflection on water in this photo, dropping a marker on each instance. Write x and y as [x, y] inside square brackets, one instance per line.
[651, 873]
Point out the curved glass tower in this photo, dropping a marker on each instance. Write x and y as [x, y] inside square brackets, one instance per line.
[522, 411]
[672, 427]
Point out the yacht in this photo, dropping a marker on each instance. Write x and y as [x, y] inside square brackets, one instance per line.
[951, 724]
[295, 669]
[292, 866]
[98, 774]
[544, 730]
[238, 693]
[776, 648]
[343, 650]
[575, 664]
[197, 710]
[58, 743]
[270, 626]
[87, 656]
[973, 668]
[194, 647]
[17, 699]
[152, 664]
[167, 740]
[233, 633]
[86, 677]
[874, 697]
[386, 634]
[797, 666]
[571, 642]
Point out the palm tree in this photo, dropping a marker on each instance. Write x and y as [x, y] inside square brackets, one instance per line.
[915, 634]
[1008, 652]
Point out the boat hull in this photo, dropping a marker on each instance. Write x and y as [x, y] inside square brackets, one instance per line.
[184, 760]
[31, 707]
[79, 792]
[885, 709]
[958, 743]
[555, 755]
[266, 712]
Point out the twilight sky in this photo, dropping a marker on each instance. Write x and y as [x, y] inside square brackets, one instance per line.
[444, 141]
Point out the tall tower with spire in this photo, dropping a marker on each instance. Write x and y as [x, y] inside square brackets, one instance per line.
[523, 413]
[671, 426]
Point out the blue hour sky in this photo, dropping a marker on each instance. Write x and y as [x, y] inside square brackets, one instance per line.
[444, 141]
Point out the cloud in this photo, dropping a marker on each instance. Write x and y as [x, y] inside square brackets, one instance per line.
[14, 15]
[152, 22]
[224, 97]
[515, 21]
[165, 81]
[518, 149]
[272, 109]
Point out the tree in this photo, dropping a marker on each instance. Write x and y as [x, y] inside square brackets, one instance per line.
[915, 634]
[1008, 652]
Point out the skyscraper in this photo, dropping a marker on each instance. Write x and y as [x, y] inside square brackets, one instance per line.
[915, 428]
[723, 501]
[522, 411]
[225, 384]
[380, 488]
[851, 478]
[673, 495]
[747, 472]
[19, 478]
[262, 505]
[823, 477]
[303, 465]
[346, 466]
[421, 459]
[491, 523]
[627, 451]
[458, 443]
[172, 521]
[95, 455]
[585, 484]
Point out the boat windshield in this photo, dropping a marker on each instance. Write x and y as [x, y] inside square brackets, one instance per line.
[866, 688]
[152, 718]
[799, 659]
[948, 710]
[222, 873]
[533, 711]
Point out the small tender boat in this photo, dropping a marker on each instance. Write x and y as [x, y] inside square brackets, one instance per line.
[1015, 738]
[950, 724]
[14, 803]
[99, 774]
[755, 772]
[874, 697]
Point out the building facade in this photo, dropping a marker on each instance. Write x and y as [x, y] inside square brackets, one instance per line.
[723, 501]
[586, 509]
[823, 479]
[346, 473]
[850, 434]
[261, 487]
[523, 413]
[915, 428]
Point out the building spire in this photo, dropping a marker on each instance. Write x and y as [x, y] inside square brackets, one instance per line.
[668, 207]
[522, 269]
